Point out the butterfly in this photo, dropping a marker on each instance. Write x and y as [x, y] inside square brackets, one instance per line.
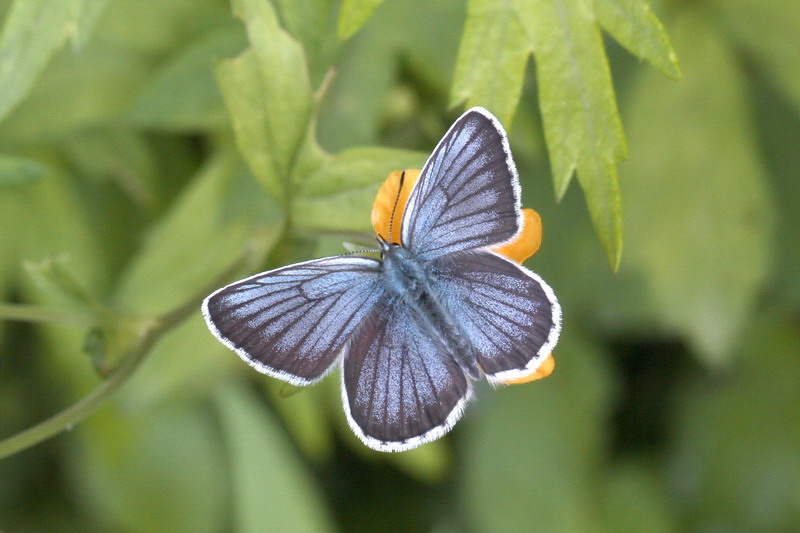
[413, 330]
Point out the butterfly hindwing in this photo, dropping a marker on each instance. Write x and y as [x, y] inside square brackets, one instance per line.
[467, 195]
[398, 387]
[293, 322]
[509, 314]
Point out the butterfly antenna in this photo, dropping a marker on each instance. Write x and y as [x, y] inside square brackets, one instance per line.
[359, 252]
[396, 200]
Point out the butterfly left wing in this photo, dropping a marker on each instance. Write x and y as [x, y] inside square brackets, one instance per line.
[509, 314]
[399, 388]
[467, 195]
[292, 323]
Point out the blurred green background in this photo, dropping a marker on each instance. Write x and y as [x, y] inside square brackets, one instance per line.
[140, 167]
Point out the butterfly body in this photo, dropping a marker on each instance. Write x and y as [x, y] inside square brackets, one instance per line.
[414, 330]
[413, 282]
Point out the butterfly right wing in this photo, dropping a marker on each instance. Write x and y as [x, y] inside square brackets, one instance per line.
[399, 388]
[509, 314]
[467, 195]
[292, 323]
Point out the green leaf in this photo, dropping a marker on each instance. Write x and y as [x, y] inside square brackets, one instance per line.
[313, 23]
[582, 125]
[18, 171]
[700, 221]
[268, 95]
[32, 32]
[52, 275]
[160, 470]
[120, 155]
[530, 453]
[353, 15]
[272, 490]
[350, 115]
[183, 93]
[76, 92]
[304, 414]
[735, 465]
[636, 499]
[778, 126]
[430, 463]
[768, 31]
[221, 215]
[581, 122]
[339, 196]
[634, 25]
[492, 57]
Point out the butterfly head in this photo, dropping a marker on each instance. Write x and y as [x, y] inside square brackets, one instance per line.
[386, 246]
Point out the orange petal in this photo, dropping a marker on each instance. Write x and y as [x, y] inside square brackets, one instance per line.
[527, 242]
[385, 203]
[544, 370]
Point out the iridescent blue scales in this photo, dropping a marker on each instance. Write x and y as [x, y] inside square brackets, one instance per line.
[414, 330]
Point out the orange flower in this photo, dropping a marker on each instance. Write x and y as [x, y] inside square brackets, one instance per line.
[518, 249]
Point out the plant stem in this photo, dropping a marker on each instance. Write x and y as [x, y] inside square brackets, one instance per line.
[86, 405]
[150, 331]
[36, 313]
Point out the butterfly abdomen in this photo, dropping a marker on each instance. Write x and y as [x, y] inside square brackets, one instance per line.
[409, 282]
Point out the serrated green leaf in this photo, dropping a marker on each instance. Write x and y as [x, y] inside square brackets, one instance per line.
[268, 95]
[183, 93]
[353, 15]
[339, 196]
[492, 57]
[699, 219]
[600, 184]
[32, 32]
[18, 171]
[634, 25]
[768, 31]
[581, 122]
[272, 490]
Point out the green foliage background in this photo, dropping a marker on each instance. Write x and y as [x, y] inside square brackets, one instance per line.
[151, 150]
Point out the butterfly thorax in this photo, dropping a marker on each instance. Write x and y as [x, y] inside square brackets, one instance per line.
[409, 282]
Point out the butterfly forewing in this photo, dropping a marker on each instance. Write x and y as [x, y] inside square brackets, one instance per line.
[467, 195]
[293, 322]
[508, 313]
[399, 389]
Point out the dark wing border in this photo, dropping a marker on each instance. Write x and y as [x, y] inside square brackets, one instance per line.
[259, 365]
[512, 167]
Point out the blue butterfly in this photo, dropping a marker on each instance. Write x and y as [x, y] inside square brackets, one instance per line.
[413, 330]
